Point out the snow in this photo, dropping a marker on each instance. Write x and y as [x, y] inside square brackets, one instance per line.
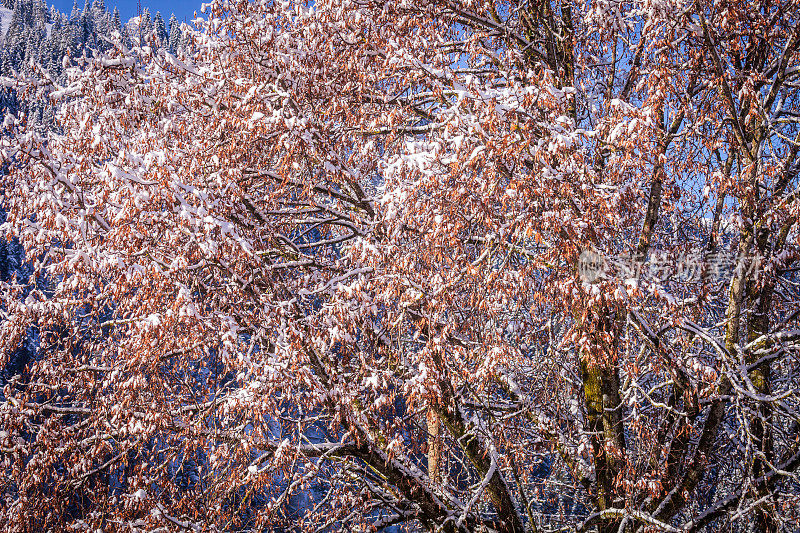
[133, 23]
[5, 20]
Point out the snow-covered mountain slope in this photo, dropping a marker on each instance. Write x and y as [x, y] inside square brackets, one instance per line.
[5, 20]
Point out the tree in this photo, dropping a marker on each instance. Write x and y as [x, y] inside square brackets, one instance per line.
[116, 23]
[460, 266]
[75, 13]
[99, 8]
[145, 25]
[160, 29]
[175, 34]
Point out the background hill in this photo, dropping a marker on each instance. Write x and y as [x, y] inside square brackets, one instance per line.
[32, 36]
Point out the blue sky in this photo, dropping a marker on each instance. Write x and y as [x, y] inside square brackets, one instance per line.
[183, 9]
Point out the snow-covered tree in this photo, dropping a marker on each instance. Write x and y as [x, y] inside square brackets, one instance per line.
[116, 23]
[462, 265]
[175, 34]
[160, 29]
[145, 25]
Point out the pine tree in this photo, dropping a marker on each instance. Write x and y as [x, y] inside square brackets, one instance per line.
[86, 29]
[40, 16]
[7, 64]
[116, 23]
[159, 29]
[184, 42]
[74, 38]
[33, 41]
[14, 38]
[102, 21]
[49, 117]
[126, 36]
[48, 51]
[145, 25]
[174, 34]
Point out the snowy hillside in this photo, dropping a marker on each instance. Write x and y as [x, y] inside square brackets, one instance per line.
[5, 20]
[6, 16]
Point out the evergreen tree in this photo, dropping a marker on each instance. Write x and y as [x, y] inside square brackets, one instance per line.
[7, 65]
[75, 13]
[15, 35]
[40, 17]
[126, 36]
[145, 25]
[33, 40]
[48, 50]
[49, 117]
[160, 29]
[116, 23]
[86, 29]
[174, 34]
[184, 41]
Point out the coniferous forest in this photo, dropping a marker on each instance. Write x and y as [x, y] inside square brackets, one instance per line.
[39, 37]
